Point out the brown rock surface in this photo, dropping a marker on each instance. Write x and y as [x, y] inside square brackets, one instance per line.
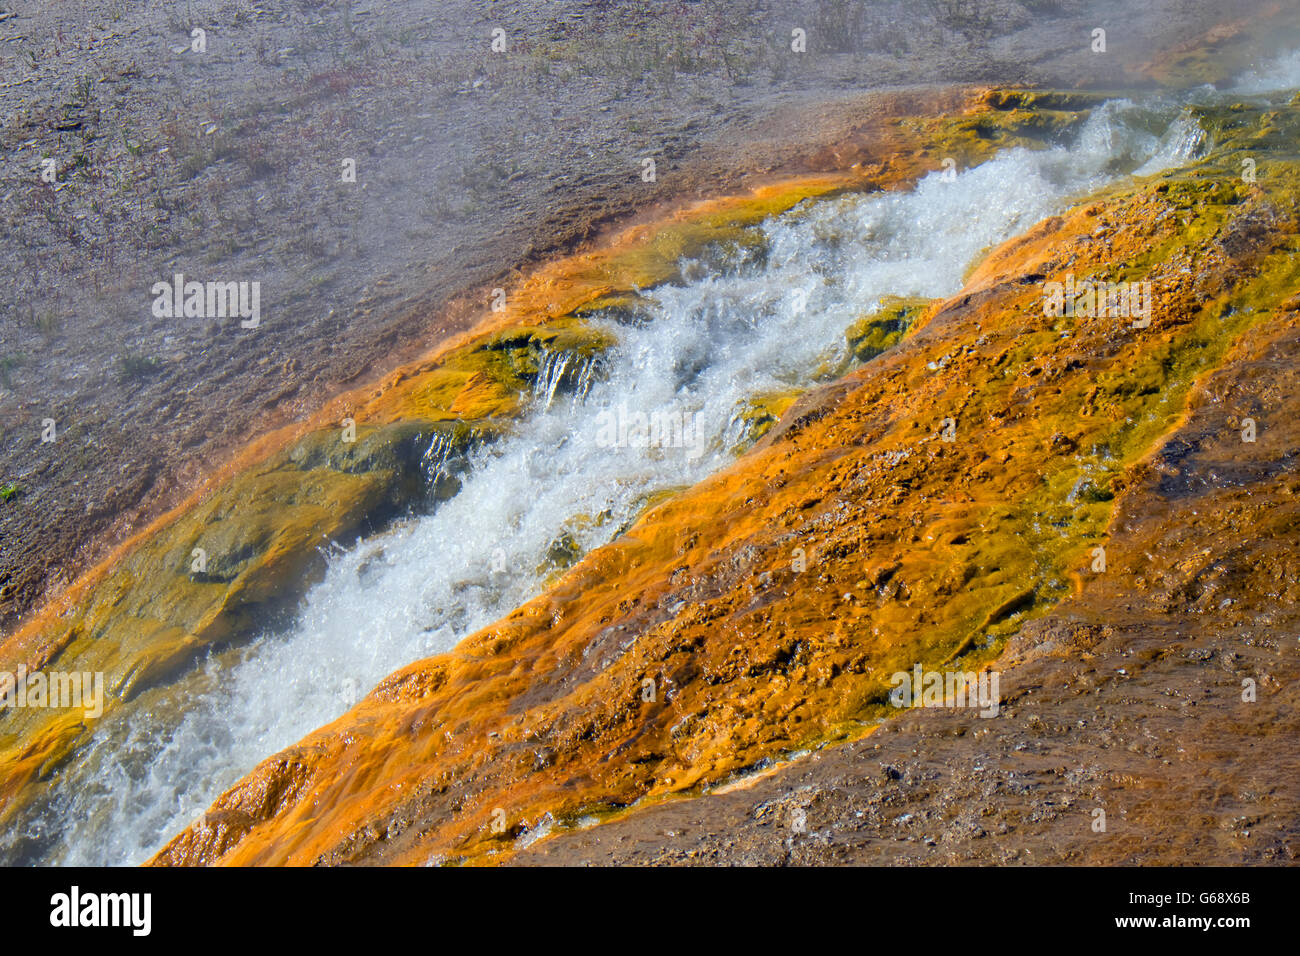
[1127, 698]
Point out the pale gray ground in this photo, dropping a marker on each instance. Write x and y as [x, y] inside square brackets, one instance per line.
[225, 165]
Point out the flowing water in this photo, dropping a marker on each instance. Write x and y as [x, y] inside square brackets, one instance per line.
[759, 319]
[1278, 75]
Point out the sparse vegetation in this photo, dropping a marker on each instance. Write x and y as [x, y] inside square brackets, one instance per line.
[85, 90]
[7, 365]
[132, 368]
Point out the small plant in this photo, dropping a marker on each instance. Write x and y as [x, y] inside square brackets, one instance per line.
[9, 491]
[137, 367]
[85, 89]
[965, 16]
[7, 365]
[47, 321]
[838, 24]
[133, 147]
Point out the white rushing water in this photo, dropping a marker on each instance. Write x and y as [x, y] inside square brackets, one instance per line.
[1278, 75]
[707, 344]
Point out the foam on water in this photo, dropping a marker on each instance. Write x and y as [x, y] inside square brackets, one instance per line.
[708, 343]
[1279, 75]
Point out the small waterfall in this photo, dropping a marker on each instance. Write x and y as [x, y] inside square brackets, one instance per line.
[436, 463]
[563, 372]
[702, 349]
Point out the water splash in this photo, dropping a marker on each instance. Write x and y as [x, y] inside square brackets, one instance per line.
[1184, 142]
[564, 372]
[1279, 75]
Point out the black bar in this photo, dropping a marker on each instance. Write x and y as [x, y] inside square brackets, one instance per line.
[728, 906]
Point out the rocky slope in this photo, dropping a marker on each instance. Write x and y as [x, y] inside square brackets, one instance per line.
[232, 560]
[942, 506]
[225, 164]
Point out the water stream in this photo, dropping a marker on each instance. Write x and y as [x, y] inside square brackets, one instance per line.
[759, 319]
